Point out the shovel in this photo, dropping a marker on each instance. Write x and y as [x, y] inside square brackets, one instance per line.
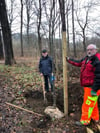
[44, 92]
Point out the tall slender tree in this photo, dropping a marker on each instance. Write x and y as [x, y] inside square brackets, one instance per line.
[73, 29]
[21, 28]
[68, 8]
[83, 23]
[29, 13]
[7, 39]
[1, 47]
[38, 7]
[39, 26]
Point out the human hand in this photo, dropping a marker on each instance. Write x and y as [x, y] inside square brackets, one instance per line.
[52, 77]
[52, 74]
[67, 58]
[93, 93]
[41, 74]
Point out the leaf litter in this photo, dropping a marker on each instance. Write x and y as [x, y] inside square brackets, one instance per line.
[22, 86]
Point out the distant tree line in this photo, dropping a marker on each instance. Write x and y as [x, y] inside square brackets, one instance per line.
[43, 18]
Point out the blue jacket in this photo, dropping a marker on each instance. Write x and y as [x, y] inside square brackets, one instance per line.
[45, 65]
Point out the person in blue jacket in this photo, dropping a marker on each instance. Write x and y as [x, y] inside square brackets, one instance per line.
[46, 70]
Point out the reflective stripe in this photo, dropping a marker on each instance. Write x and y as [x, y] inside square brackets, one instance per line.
[89, 107]
[94, 98]
[86, 122]
[90, 111]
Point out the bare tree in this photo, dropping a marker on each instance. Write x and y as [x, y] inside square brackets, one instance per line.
[67, 14]
[38, 12]
[51, 26]
[52, 16]
[83, 22]
[1, 46]
[73, 28]
[8, 49]
[21, 28]
[68, 11]
[39, 25]
[29, 8]
[10, 11]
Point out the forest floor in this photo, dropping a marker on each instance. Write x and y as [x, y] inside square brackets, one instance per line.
[21, 85]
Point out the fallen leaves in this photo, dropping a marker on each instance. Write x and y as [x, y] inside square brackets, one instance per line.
[16, 80]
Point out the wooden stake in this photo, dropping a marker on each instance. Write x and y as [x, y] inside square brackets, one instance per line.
[65, 80]
[64, 53]
[23, 109]
[44, 92]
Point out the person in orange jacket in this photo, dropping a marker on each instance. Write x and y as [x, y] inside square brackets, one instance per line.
[90, 80]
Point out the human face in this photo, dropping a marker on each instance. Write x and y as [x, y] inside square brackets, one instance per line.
[44, 54]
[91, 51]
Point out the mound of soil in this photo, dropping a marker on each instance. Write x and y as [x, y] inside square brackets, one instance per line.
[33, 94]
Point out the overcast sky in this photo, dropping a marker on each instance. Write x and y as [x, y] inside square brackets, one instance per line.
[93, 15]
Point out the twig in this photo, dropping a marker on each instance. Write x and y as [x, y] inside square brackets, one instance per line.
[23, 109]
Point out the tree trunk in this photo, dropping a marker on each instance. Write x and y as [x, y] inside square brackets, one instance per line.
[39, 42]
[60, 45]
[50, 39]
[39, 25]
[73, 29]
[28, 21]
[84, 42]
[1, 47]
[51, 26]
[21, 29]
[8, 49]
[53, 33]
[68, 33]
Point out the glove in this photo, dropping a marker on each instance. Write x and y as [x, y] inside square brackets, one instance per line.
[67, 58]
[41, 74]
[93, 93]
[52, 77]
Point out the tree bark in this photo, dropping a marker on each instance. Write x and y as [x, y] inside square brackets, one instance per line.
[8, 49]
[21, 29]
[51, 26]
[28, 20]
[1, 47]
[39, 26]
[68, 32]
[73, 29]
[84, 40]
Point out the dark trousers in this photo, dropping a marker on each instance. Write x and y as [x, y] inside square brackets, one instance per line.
[47, 79]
